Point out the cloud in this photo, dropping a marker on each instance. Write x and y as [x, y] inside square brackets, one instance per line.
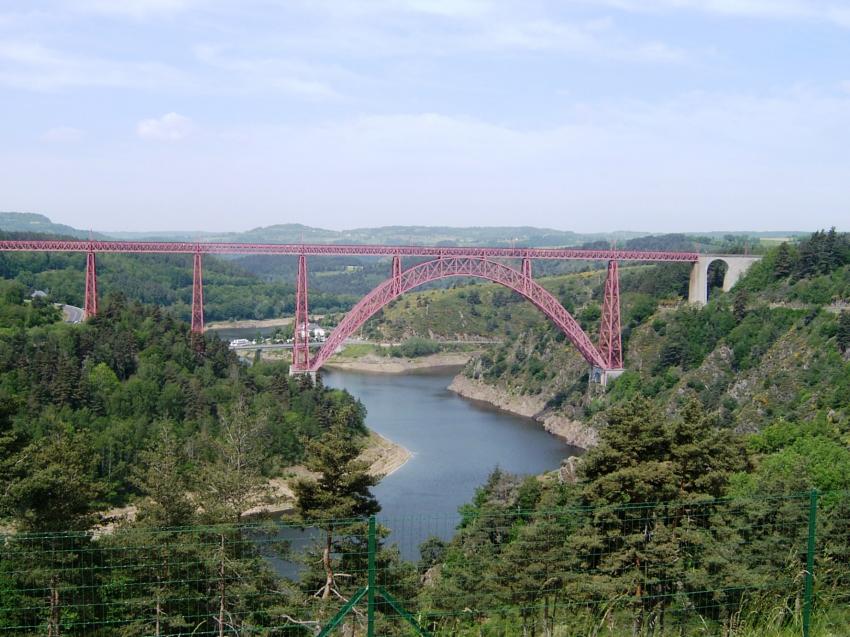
[171, 127]
[271, 72]
[699, 161]
[134, 8]
[819, 10]
[62, 135]
[595, 38]
[33, 66]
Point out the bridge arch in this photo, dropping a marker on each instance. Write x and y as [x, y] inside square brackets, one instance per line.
[444, 267]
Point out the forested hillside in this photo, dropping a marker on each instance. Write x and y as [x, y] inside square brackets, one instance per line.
[759, 353]
[230, 291]
[106, 391]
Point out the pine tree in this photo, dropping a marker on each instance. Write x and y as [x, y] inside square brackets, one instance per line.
[783, 263]
[228, 486]
[739, 304]
[232, 481]
[532, 570]
[51, 488]
[654, 553]
[162, 481]
[342, 490]
[843, 334]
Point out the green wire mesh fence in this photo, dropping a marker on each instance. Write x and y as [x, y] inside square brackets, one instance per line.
[720, 567]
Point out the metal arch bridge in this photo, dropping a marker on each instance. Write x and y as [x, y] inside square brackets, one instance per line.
[481, 262]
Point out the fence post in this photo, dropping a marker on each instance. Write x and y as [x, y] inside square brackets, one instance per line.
[810, 562]
[370, 587]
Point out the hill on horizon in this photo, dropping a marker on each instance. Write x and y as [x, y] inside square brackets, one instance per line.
[529, 236]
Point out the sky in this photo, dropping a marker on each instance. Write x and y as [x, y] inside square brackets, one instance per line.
[585, 115]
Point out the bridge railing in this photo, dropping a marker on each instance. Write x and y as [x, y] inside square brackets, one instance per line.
[763, 565]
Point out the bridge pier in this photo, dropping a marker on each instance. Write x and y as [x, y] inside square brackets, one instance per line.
[610, 334]
[301, 336]
[396, 274]
[197, 295]
[603, 376]
[302, 372]
[90, 305]
[737, 266]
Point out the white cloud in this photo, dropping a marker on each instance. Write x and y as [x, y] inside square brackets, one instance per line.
[134, 8]
[820, 10]
[33, 66]
[62, 135]
[698, 162]
[170, 127]
[597, 38]
[270, 72]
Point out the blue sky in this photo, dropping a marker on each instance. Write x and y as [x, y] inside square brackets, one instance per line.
[590, 115]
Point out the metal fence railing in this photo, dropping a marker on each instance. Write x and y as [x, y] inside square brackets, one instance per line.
[756, 566]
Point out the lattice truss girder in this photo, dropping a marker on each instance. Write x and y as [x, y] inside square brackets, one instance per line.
[182, 247]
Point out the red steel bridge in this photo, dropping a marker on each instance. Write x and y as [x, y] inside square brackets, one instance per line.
[485, 263]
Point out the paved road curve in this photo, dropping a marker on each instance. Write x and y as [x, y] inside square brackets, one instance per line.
[72, 314]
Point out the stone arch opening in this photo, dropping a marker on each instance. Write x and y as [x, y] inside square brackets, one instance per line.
[716, 273]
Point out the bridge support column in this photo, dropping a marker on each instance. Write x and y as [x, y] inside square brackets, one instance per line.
[301, 337]
[526, 274]
[90, 308]
[610, 333]
[197, 295]
[698, 285]
[396, 274]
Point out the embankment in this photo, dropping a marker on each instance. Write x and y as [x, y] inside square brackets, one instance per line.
[393, 365]
[573, 432]
[249, 323]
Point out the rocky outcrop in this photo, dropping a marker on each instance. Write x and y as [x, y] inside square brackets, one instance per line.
[528, 406]
[573, 432]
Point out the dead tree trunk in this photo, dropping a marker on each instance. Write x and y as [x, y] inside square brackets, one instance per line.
[53, 621]
[326, 562]
[222, 588]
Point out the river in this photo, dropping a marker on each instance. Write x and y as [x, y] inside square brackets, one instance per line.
[456, 444]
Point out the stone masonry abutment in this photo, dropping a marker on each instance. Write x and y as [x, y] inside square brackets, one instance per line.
[737, 265]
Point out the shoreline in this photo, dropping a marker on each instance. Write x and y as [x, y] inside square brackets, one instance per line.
[388, 365]
[572, 432]
[384, 456]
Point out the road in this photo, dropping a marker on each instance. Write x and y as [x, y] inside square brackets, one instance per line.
[72, 314]
[273, 346]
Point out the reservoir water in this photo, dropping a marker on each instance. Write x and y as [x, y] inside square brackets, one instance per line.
[456, 443]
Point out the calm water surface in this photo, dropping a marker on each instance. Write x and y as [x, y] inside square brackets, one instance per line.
[455, 442]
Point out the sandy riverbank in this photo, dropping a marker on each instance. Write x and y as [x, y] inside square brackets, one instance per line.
[248, 323]
[391, 365]
[573, 432]
[383, 455]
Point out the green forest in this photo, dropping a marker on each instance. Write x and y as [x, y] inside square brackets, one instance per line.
[230, 291]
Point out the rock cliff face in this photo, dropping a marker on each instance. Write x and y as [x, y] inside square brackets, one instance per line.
[572, 432]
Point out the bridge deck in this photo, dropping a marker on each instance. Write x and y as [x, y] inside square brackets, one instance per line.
[178, 247]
